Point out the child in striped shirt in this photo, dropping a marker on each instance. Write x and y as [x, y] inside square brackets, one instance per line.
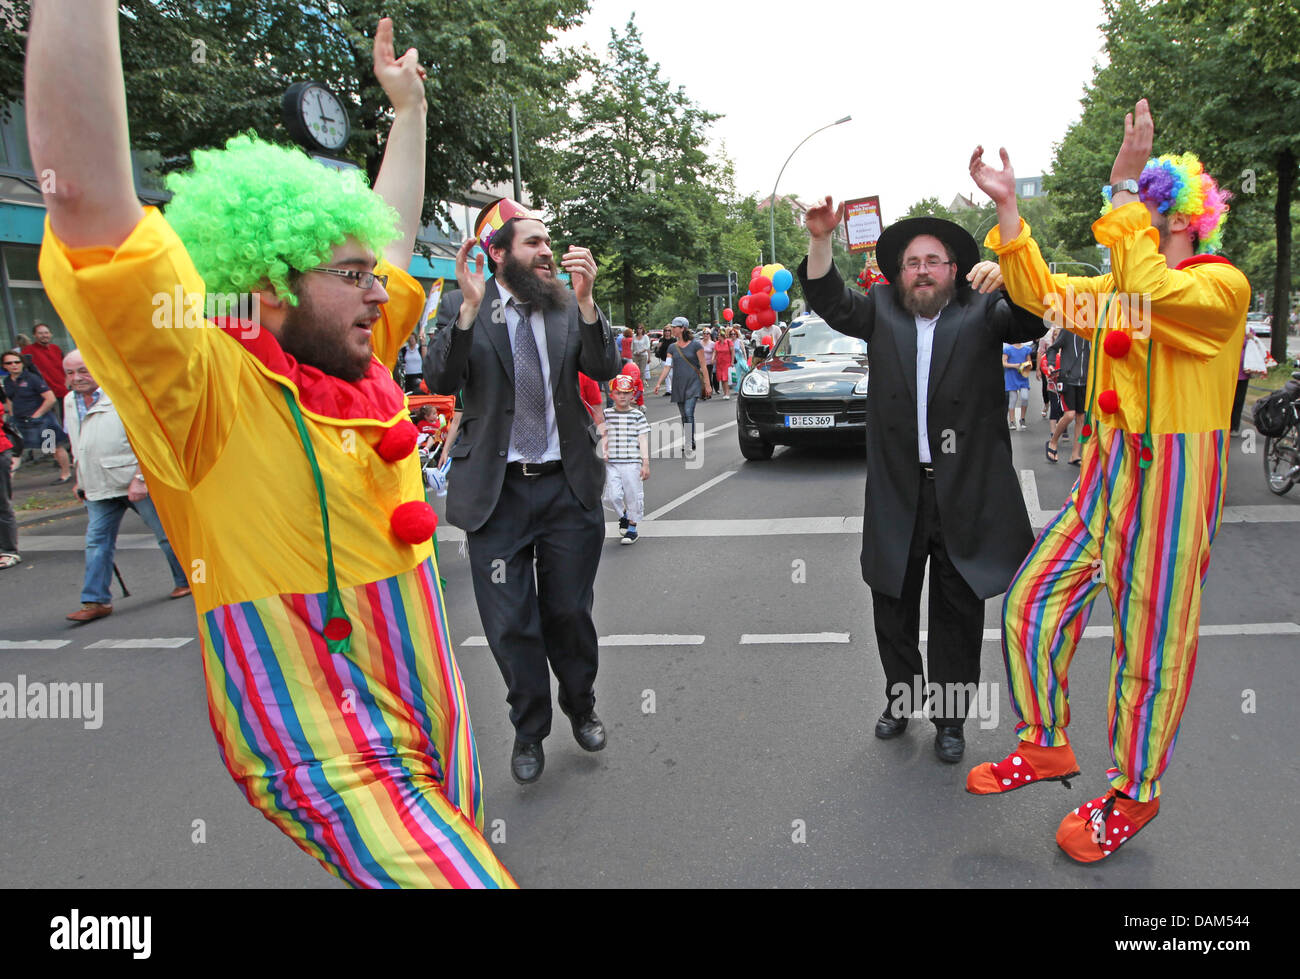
[627, 457]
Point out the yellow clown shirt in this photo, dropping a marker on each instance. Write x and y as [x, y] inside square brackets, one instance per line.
[337, 707]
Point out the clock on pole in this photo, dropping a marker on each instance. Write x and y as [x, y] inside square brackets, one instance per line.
[316, 120]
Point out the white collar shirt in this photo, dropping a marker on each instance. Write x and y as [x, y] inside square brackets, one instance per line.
[924, 351]
[538, 323]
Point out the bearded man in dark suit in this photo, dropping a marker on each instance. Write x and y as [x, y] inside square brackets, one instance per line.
[526, 479]
[940, 483]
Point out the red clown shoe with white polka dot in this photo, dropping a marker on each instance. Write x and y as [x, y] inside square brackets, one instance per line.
[1028, 763]
[1098, 828]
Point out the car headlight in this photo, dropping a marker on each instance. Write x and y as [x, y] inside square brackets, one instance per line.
[755, 384]
[861, 386]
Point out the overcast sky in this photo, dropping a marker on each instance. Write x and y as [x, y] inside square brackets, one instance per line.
[925, 81]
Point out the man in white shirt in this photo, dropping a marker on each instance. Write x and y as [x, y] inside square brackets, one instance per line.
[940, 485]
[110, 481]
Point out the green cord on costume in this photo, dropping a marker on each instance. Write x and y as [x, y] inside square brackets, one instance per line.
[334, 600]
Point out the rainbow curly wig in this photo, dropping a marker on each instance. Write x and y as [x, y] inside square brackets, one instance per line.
[1178, 184]
[255, 212]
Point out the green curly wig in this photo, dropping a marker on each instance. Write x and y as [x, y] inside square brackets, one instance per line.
[255, 212]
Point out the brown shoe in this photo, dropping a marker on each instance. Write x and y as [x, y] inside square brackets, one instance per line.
[180, 592]
[90, 611]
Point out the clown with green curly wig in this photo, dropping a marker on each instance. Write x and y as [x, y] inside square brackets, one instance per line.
[278, 451]
[1166, 325]
[256, 213]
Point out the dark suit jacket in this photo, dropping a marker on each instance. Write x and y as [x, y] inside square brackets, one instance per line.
[981, 509]
[478, 362]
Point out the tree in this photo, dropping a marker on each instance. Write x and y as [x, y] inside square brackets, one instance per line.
[634, 179]
[199, 71]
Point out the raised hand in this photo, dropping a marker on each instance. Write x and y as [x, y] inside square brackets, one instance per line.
[1000, 185]
[822, 218]
[1139, 135]
[581, 266]
[471, 283]
[402, 79]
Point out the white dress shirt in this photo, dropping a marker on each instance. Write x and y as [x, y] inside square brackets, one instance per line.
[924, 349]
[538, 323]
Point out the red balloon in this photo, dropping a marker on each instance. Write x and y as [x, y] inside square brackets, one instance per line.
[767, 317]
[764, 284]
[758, 270]
[744, 304]
[728, 315]
[760, 302]
[751, 321]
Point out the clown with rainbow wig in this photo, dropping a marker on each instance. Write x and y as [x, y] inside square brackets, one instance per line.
[1166, 325]
[278, 450]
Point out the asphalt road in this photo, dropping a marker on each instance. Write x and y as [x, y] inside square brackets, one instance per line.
[733, 760]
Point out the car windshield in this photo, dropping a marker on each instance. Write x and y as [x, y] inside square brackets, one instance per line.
[808, 338]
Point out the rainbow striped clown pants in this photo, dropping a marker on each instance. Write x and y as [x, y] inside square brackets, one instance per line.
[365, 759]
[1145, 536]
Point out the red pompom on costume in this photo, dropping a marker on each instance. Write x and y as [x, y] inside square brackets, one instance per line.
[398, 442]
[414, 522]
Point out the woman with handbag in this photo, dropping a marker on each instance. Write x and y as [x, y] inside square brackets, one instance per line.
[688, 378]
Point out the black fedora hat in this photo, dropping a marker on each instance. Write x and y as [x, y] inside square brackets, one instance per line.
[961, 246]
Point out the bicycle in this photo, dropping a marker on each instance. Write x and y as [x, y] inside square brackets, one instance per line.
[1281, 450]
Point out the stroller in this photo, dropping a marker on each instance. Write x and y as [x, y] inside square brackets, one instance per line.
[435, 455]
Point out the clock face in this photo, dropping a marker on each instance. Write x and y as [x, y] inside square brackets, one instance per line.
[324, 117]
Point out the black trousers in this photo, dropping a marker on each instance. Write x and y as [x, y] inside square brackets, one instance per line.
[535, 619]
[956, 626]
[1239, 402]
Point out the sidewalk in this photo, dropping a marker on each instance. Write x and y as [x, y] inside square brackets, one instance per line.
[36, 499]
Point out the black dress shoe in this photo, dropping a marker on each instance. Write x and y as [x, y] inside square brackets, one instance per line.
[889, 726]
[527, 762]
[588, 731]
[949, 742]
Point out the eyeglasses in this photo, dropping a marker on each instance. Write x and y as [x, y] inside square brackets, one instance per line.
[916, 264]
[362, 280]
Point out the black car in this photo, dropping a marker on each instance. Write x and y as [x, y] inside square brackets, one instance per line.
[812, 390]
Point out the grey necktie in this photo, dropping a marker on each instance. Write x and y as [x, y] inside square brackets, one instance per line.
[528, 433]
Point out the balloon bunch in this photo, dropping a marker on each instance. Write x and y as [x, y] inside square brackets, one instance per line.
[767, 295]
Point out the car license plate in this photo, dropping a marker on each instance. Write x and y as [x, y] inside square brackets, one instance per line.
[809, 421]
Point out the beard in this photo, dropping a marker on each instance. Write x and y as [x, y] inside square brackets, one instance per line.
[306, 338]
[927, 306]
[546, 295]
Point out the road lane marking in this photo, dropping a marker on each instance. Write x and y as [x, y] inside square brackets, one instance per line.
[651, 640]
[175, 642]
[626, 640]
[33, 643]
[682, 499]
[793, 637]
[699, 437]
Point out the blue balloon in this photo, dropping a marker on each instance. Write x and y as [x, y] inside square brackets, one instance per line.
[780, 300]
[781, 281]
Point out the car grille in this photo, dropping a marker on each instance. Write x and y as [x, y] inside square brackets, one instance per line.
[767, 412]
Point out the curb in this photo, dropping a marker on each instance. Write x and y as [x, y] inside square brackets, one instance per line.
[37, 517]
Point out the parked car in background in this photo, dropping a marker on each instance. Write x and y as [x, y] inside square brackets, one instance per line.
[1261, 323]
[812, 390]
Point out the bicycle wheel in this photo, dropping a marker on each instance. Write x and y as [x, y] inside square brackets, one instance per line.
[1281, 459]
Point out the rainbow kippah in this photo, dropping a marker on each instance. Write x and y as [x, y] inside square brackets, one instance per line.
[1178, 184]
[492, 217]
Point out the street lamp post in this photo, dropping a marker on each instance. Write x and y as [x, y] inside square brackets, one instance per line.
[771, 204]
